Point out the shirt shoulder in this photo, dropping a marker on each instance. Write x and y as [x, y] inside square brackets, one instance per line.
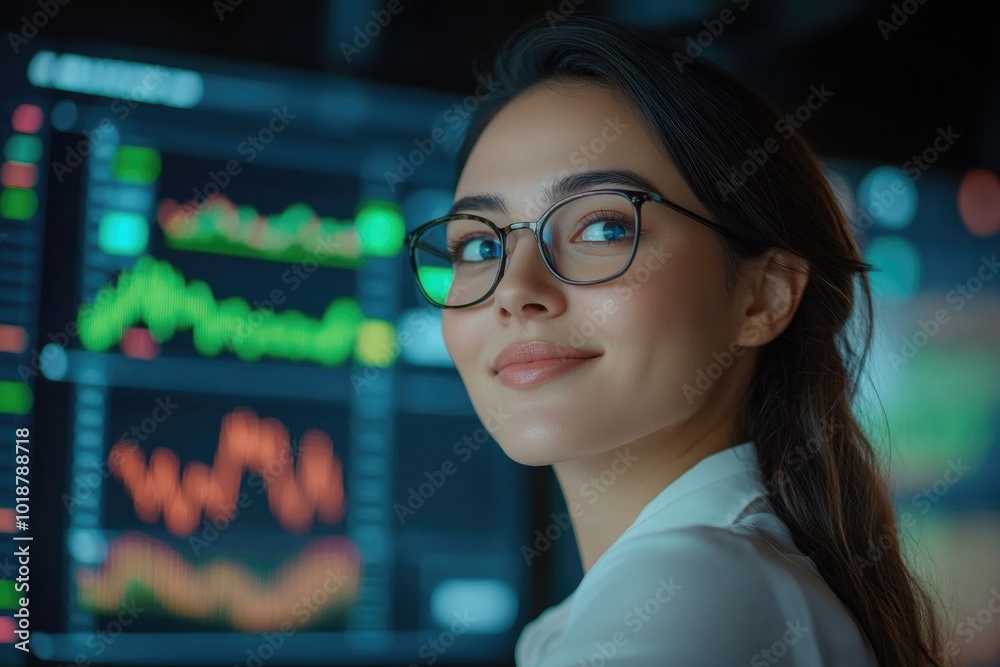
[701, 595]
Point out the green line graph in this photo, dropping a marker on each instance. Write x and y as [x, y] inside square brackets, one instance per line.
[155, 294]
[295, 234]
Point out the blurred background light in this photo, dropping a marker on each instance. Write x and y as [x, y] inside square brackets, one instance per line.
[897, 264]
[889, 196]
[979, 202]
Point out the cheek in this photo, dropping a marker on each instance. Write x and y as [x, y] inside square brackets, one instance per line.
[671, 318]
[460, 337]
[685, 288]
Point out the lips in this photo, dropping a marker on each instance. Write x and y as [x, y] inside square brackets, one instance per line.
[531, 352]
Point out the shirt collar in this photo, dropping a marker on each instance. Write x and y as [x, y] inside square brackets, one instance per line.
[698, 498]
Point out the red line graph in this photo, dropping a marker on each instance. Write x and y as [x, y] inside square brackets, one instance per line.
[296, 494]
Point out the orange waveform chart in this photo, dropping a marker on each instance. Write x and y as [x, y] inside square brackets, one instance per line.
[298, 491]
[322, 579]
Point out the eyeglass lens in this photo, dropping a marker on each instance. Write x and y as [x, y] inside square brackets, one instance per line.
[589, 238]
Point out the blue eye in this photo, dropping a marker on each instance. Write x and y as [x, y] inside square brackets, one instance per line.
[609, 230]
[476, 250]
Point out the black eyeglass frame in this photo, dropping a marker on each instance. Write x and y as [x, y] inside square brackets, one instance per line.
[636, 197]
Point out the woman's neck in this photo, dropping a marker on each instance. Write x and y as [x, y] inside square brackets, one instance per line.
[605, 493]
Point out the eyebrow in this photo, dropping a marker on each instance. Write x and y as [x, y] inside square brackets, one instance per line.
[560, 189]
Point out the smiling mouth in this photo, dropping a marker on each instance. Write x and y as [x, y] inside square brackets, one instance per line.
[535, 372]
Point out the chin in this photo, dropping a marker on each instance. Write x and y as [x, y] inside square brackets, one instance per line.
[537, 446]
[527, 456]
[535, 433]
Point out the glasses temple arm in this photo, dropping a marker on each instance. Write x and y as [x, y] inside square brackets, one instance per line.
[432, 251]
[691, 214]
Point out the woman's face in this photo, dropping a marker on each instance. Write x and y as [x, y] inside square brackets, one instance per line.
[651, 330]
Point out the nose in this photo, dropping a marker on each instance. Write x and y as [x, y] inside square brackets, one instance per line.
[527, 288]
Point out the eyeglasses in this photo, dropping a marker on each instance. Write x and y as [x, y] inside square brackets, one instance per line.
[587, 238]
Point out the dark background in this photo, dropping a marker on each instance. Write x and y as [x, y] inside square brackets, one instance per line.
[939, 67]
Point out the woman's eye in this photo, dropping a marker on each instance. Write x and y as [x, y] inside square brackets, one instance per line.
[478, 250]
[604, 231]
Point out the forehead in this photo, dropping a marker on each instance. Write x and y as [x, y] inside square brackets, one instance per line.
[559, 128]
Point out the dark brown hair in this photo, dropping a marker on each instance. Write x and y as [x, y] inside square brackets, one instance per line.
[825, 480]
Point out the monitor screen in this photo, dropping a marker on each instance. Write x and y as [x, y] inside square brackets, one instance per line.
[249, 435]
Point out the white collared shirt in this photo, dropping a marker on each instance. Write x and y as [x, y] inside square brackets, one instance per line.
[708, 575]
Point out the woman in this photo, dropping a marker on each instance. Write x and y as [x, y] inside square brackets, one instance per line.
[670, 335]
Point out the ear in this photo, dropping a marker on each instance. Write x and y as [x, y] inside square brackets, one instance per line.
[773, 291]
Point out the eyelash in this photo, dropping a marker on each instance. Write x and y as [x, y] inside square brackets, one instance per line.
[595, 216]
[455, 246]
[609, 216]
[616, 217]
